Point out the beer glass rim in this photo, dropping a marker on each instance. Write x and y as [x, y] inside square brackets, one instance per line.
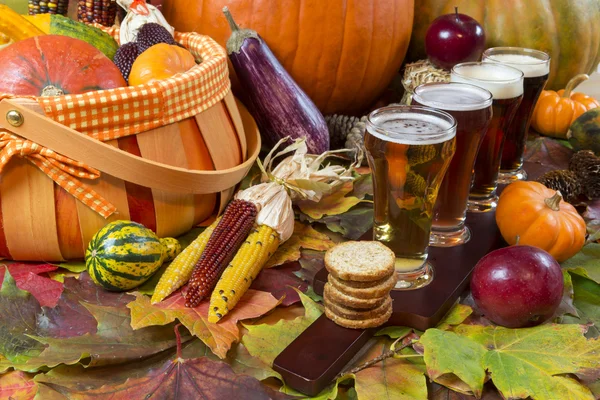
[520, 73]
[541, 56]
[486, 102]
[409, 137]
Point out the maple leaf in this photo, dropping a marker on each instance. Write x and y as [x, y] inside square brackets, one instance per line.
[115, 341]
[586, 263]
[522, 362]
[17, 385]
[169, 375]
[266, 341]
[281, 282]
[362, 187]
[586, 301]
[352, 224]
[74, 266]
[543, 154]
[332, 204]
[218, 337]
[566, 303]
[27, 277]
[304, 237]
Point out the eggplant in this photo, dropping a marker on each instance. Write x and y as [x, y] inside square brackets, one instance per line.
[279, 106]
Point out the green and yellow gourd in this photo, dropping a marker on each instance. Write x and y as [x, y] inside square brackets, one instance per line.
[101, 40]
[124, 254]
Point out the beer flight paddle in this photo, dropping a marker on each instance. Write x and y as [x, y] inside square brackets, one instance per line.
[322, 351]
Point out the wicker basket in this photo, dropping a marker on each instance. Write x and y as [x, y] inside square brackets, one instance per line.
[151, 169]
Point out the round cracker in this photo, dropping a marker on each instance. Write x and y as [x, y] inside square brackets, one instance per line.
[355, 314]
[359, 324]
[330, 293]
[379, 290]
[363, 261]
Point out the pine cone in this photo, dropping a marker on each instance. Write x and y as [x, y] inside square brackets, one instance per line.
[586, 167]
[420, 154]
[565, 181]
[415, 184]
[339, 128]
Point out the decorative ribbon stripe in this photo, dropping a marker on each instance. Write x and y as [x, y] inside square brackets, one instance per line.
[62, 170]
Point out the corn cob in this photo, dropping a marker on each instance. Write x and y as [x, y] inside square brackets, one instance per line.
[243, 269]
[180, 270]
[103, 12]
[228, 236]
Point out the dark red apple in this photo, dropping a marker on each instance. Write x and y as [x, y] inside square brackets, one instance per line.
[454, 38]
[517, 286]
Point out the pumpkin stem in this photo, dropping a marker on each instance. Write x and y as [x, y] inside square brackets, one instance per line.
[554, 201]
[52, 91]
[573, 83]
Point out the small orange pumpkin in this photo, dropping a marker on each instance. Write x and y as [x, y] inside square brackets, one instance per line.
[529, 213]
[555, 111]
[159, 62]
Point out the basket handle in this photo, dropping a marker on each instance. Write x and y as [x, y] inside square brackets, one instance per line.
[110, 160]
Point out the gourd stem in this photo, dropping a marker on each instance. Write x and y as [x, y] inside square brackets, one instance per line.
[573, 83]
[554, 201]
[232, 24]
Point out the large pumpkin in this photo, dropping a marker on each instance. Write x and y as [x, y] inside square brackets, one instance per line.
[343, 53]
[567, 29]
[55, 65]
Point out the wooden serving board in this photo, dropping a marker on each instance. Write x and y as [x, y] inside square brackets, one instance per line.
[311, 361]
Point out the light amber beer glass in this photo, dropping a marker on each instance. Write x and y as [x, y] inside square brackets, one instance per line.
[536, 68]
[471, 107]
[506, 85]
[398, 140]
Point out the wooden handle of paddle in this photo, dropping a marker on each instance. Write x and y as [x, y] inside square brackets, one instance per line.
[110, 160]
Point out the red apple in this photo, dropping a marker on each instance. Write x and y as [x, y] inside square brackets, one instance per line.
[517, 286]
[454, 38]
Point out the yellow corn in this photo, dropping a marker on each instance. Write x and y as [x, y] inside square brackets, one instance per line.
[180, 270]
[245, 266]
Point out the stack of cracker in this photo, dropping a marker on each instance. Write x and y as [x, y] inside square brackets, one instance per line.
[361, 276]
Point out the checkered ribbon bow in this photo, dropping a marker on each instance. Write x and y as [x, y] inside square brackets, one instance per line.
[64, 171]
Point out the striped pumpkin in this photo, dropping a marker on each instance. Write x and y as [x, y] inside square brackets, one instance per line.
[123, 255]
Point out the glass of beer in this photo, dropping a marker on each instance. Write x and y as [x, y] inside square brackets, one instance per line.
[471, 107]
[409, 149]
[536, 68]
[506, 85]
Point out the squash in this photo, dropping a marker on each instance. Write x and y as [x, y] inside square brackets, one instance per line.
[124, 254]
[15, 26]
[528, 213]
[556, 111]
[41, 21]
[55, 65]
[159, 62]
[584, 133]
[101, 40]
[567, 30]
[343, 55]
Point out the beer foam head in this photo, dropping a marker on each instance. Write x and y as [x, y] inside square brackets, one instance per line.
[533, 63]
[453, 96]
[504, 82]
[411, 125]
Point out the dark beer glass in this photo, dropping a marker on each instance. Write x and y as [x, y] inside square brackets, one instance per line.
[471, 107]
[506, 85]
[535, 65]
[405, 190]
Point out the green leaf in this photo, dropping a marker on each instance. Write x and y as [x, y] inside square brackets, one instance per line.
[586, 263]
[449, 353]
[394, 332]
[587, 303]
[266, 341]
[74, 266]
[455, 316]
[522, 362]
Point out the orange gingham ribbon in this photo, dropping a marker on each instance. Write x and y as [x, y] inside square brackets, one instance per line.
[64, 171]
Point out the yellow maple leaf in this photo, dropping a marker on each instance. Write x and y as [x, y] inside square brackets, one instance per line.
[305, 237]
[333, 204]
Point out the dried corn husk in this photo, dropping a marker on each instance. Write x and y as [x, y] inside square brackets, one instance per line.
[420, 72]
[138, 14]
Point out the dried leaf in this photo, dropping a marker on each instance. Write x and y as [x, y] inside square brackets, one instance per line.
[544, 154]
[115, 342]
[17, 385]
[304, 237]
[592, 211]
[587, 302]
[280, 282]
[332, 204]
[363, 186]
[27, 277]
[394, 332]
[352, 224]
[74, 266]
[218, 337]
[169, 375]
[586, 263]
[522, 362]
[266, 341]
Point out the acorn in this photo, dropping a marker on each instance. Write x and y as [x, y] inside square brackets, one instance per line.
[152, 33]
[124, 58]
[586, 166]
[565, 181]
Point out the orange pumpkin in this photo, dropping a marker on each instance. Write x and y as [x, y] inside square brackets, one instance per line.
[342, 54]
[159, 62]
[529, 213]
[555, 111]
